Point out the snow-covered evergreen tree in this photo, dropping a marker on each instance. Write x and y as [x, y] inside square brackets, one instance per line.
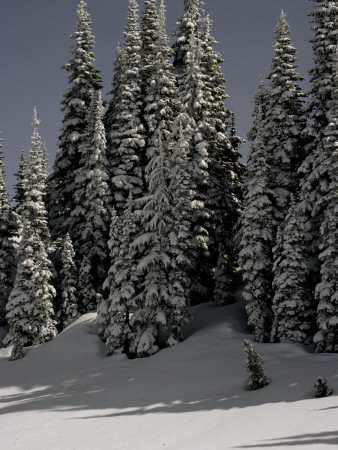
[217, 169]
[181, 191]
[293, 307]
[155, 263]
[124, 128]
[84, 80]
[284, 120]
[254, 364]
[163, 264]
[88, 298]
[187, 25]
[103, 315]
[30, 306]
[123, 280]
[255, 239]
[93, 199]
[260, 106]
[326, 338]
[193, 98]
[19, 190]
[8, 243]
[68, 310]
[315, 179]
[321, 387]
[158, 78]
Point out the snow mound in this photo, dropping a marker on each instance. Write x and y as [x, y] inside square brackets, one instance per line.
[66, 394]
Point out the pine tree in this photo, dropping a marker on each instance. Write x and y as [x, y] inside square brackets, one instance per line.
[88, 298]
[19, 186]
[254, 363]
[321, 387]
[155, 263]
[326, 338]
[181, 237]
[109, 285]
[124, 128]
[84, 80]
[284, 121]
[68, 311]
[124, 281]
[314, 176]
[293, 307]
[158, 78]
[225, 171]
[91, 216]
[217, 169]
[30, 306]
[192, 95]
[8, 243]
[188, 25]
[260, 109]
[255, 239]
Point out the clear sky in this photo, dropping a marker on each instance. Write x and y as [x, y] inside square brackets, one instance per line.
[34, 36]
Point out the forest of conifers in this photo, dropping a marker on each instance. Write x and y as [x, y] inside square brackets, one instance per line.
[148, 209]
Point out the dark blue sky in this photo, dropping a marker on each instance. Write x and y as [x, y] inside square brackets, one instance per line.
[34, 36]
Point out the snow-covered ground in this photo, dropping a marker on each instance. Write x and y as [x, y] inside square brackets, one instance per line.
[67, 394]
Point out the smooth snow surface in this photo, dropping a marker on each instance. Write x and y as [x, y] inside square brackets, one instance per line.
[66, 394]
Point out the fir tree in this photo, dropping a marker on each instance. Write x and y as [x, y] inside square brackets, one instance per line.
[158, 78]
[155, 264]
[260, 109]
[255, 239]
[254, 363]
[326, 338]
[181, 237]
[68, 311]
[192, 95]
[284, 121]
[91, 216]
[124, 128]
[19, 186]
[88, 298]
[84, 80]
[30, 306]
[188, 25]
[321, 388]
[293, 307]
[124, 281]
[165, 264]
[8, 243]
[217, 169]
[109, 285]
[315, 179]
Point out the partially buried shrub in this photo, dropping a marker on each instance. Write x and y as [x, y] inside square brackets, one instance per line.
[322, 389]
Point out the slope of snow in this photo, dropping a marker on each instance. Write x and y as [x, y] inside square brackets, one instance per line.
[67, 394]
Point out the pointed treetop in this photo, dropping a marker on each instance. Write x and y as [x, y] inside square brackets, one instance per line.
[35, 121]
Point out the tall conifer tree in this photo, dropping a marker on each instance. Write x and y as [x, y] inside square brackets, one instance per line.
[198, 67]
[30, 306]
[124, 128]
[293, 308]
[68, 311]
[256, 236]
[326, 339]
[158, 78]
[284, 120]
[8, 242]
[91, 216]
[84, 79]
[314, 175]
